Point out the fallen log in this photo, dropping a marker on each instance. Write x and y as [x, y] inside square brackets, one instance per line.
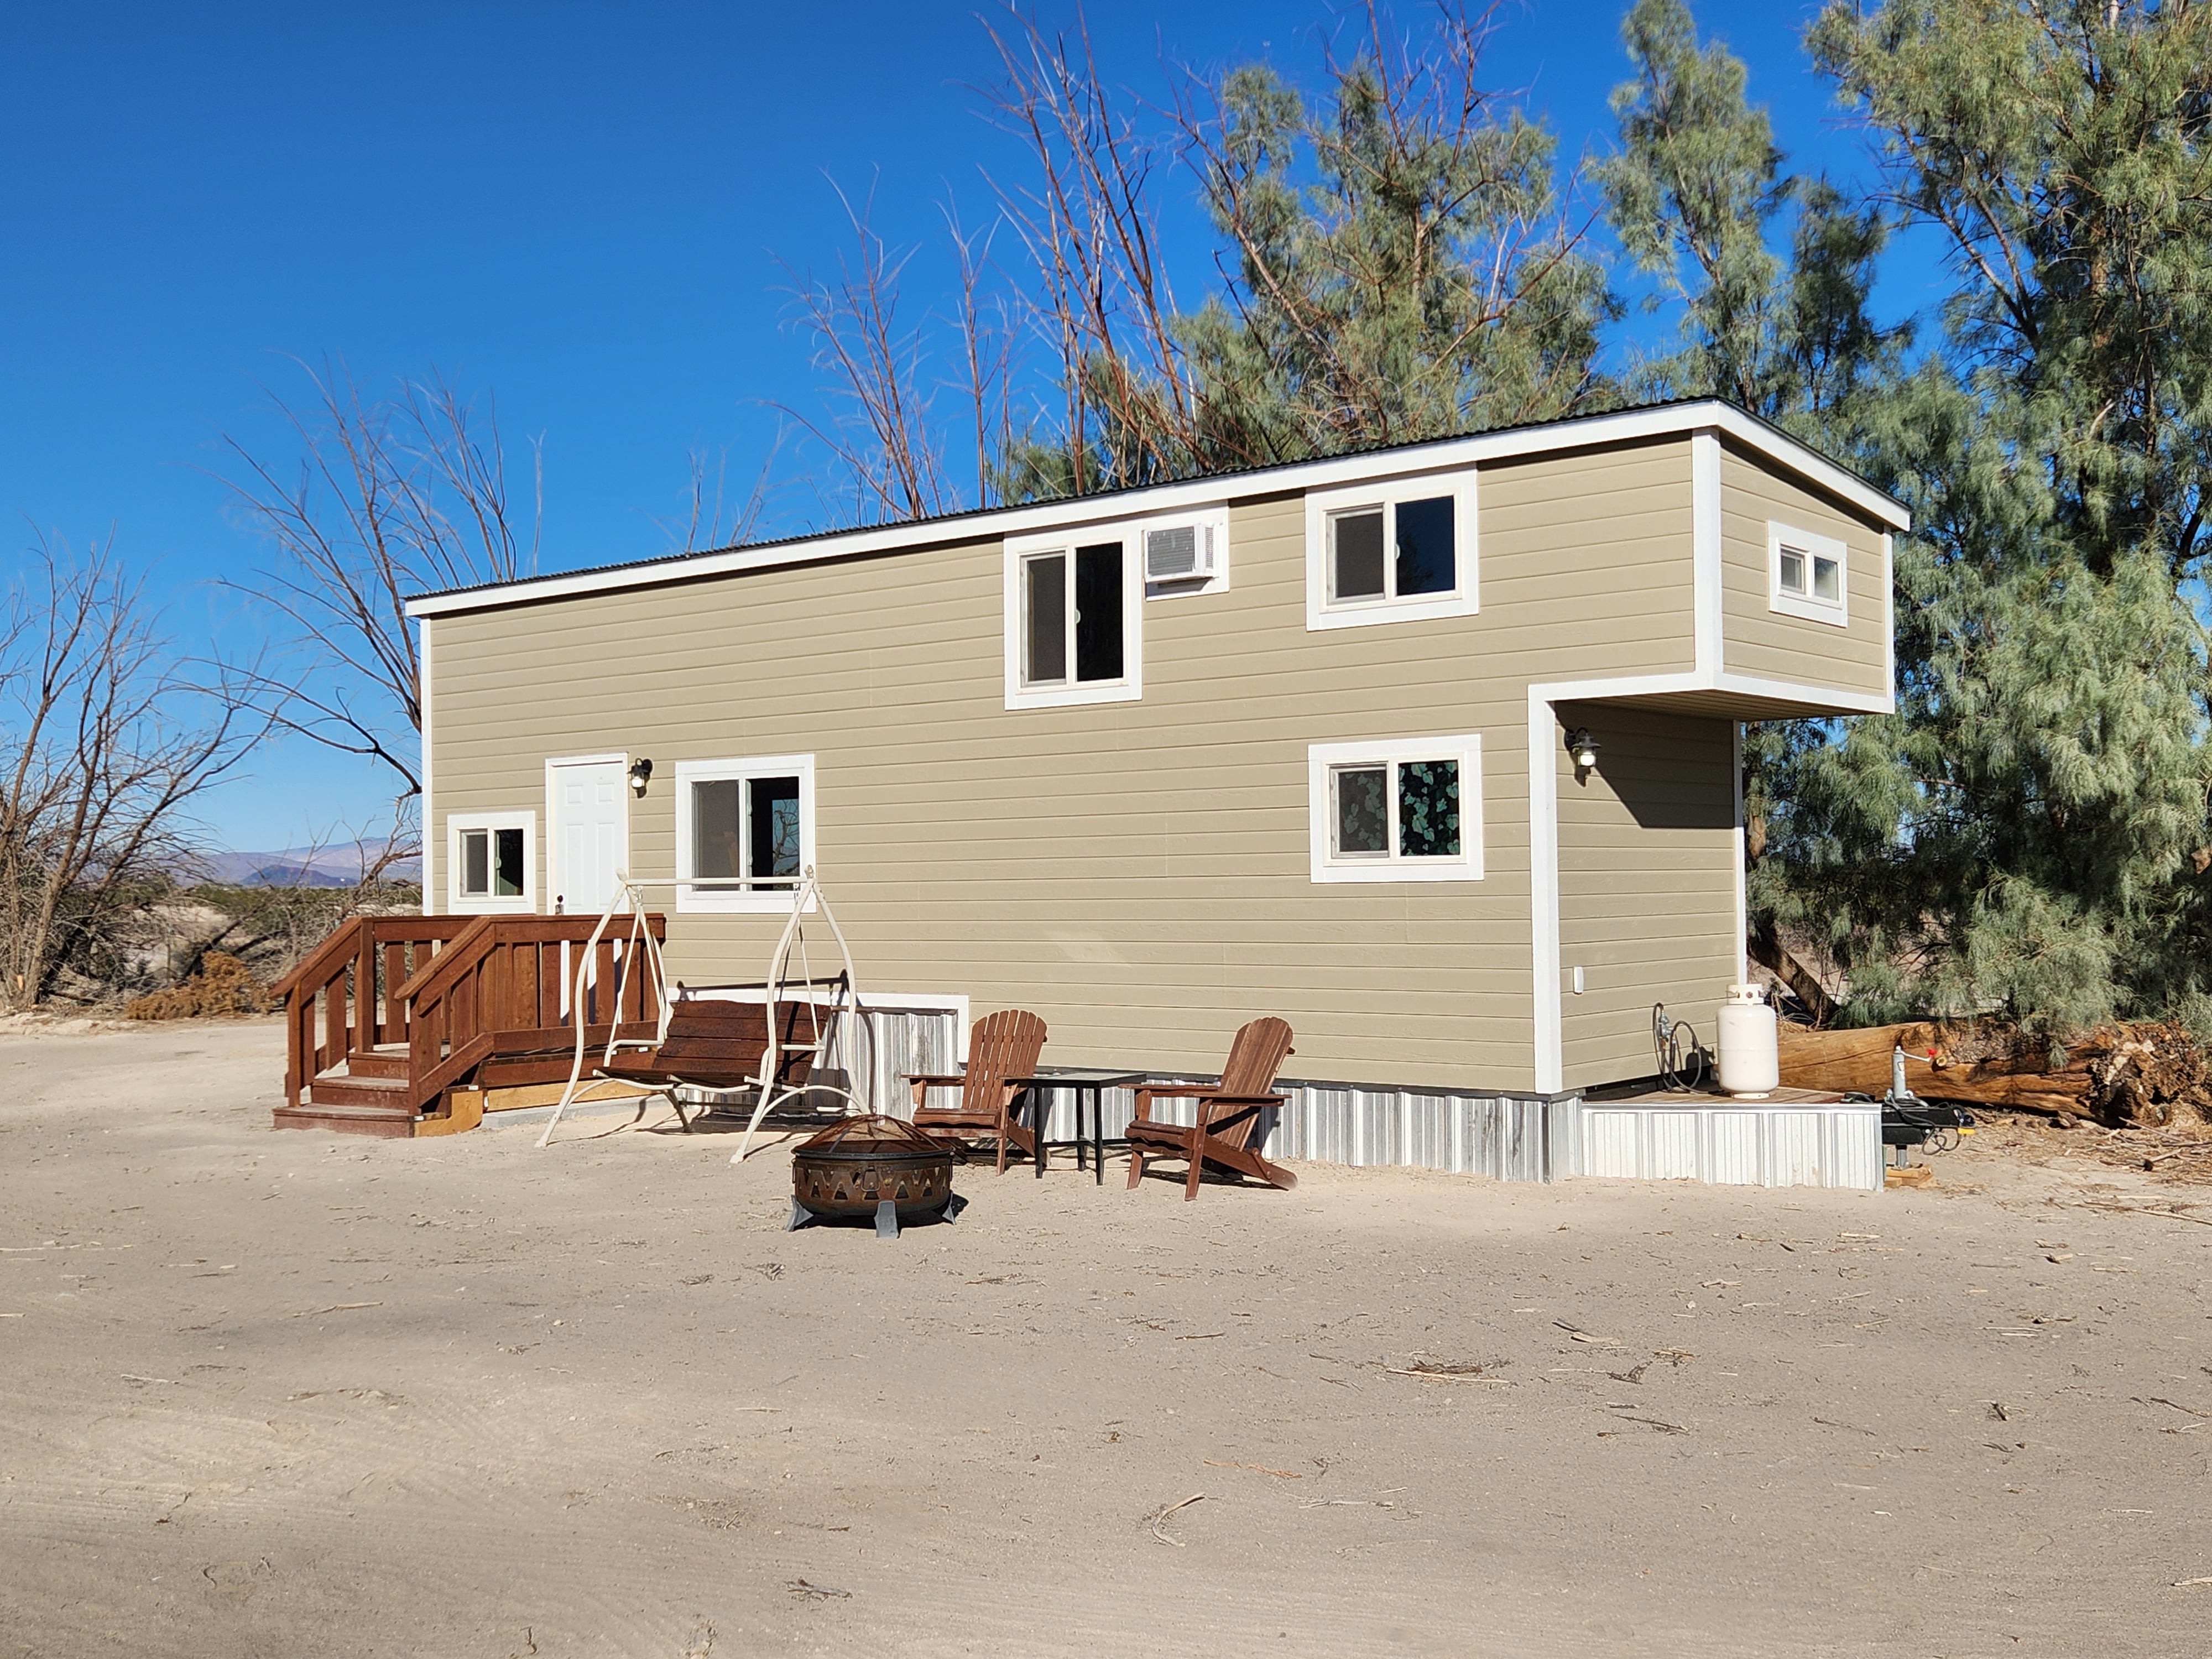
[2012, 1078]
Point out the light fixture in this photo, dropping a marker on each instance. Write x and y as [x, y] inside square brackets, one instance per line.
[640, 774]
[1583, 748]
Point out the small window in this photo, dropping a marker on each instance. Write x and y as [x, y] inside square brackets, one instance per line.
[1394, 551]
[1071, 616]
[746, 832]
[1391, 553]
[492, 862]
[1408, 809]
[1806, 576]
[1074, 619]
[1398, 810]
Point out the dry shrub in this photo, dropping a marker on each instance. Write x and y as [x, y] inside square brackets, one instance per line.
[222, 985]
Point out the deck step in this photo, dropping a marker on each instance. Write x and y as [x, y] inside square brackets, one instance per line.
[347, 1120]
[384, 1092]
[384, 1063]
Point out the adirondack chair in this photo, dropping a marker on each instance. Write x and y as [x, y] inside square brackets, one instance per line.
[1001, 1046]
[714, 1044]
[1228, 1113]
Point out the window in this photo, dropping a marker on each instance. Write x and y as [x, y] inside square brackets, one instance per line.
[1391, 552]
[745, 832]
[491, 862]
[1403, 810]
[1806, 575]
[1072, 608]
[1073, 618]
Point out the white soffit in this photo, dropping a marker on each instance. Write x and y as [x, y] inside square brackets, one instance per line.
[1672, 420]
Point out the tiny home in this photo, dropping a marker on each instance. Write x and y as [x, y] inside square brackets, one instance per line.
[1432, 750]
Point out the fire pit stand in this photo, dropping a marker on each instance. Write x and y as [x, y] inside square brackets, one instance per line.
[876, 1166]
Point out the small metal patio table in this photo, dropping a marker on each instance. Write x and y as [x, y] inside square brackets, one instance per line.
[1081, 1080]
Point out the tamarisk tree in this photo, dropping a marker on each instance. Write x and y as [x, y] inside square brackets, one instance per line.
[2028, 831]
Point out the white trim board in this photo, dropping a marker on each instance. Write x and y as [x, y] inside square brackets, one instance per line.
[426, 815]
[1706, 618]
[1742, 892]
[1629, 426]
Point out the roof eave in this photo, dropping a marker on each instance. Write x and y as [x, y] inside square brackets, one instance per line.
[1662, 420]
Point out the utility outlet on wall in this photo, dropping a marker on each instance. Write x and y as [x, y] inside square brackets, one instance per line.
[1578, 982]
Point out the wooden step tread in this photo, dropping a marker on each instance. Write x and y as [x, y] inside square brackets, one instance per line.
[383, 1094]
[345, 1118]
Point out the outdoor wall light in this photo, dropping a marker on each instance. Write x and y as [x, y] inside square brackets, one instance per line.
[1583, 748]
[640, 774]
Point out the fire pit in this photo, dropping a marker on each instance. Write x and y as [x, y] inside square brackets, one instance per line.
[874, 1166]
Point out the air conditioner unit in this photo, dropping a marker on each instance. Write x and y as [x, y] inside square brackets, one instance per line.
[1179, 553]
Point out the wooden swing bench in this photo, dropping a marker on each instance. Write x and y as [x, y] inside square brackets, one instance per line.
[716, 1045]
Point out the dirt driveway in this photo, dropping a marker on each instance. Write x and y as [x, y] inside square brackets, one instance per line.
[281, 1394]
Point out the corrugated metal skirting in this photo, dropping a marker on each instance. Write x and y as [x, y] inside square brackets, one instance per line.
[1735, 1145]
[1505, 1138]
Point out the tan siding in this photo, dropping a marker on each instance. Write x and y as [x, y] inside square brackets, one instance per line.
[1647, 885]
[1585, 564]
[1138, 872]
[1757, 641]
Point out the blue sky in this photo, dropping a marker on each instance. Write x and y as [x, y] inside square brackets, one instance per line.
[585, 208]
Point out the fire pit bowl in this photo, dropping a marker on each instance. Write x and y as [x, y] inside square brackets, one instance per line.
[874, 1167]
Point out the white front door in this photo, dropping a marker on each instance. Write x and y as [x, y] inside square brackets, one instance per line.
[590, 839]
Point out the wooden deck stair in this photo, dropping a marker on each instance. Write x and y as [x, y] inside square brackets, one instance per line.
[390, 1015]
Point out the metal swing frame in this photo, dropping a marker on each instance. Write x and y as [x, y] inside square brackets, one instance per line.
[642, 949]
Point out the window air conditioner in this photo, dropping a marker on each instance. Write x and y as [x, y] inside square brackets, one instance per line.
[1180, 553]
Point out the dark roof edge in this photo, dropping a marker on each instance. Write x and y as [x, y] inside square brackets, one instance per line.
[730, 560]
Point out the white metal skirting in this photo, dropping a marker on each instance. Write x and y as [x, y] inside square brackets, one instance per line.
[1505, 1138]
[1744, 1144]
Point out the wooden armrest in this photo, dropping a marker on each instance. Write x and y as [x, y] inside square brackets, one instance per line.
[934, 1079]
[1194, 1091]
[1207, 1099]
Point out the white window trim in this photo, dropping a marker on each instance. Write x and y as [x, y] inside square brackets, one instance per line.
[1322, 758]
[1837, 613]
[1131, 686]
[1212, 519]
[458, 904]
[1465, 600]
[689, 902]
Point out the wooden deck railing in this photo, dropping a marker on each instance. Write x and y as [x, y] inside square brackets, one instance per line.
[453, 991]
[503, 986]
[344, 1000]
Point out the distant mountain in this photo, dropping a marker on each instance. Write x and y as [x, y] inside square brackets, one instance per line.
[337, 865]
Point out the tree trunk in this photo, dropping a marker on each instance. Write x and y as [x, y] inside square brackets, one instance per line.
[1767, 950]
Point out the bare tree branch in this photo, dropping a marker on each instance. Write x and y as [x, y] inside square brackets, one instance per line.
[105, 749]
[387, 499]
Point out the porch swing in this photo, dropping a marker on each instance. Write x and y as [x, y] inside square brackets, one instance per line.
[723, 1043]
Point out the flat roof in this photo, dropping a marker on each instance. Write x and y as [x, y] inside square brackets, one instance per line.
[1645, 422]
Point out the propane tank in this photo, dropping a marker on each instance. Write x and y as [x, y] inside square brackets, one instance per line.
[1750, 1066]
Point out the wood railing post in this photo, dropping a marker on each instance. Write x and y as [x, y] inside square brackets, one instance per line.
[391, 1025]
[361, 1036]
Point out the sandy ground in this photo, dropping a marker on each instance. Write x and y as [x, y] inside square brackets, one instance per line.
[266, 1392]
